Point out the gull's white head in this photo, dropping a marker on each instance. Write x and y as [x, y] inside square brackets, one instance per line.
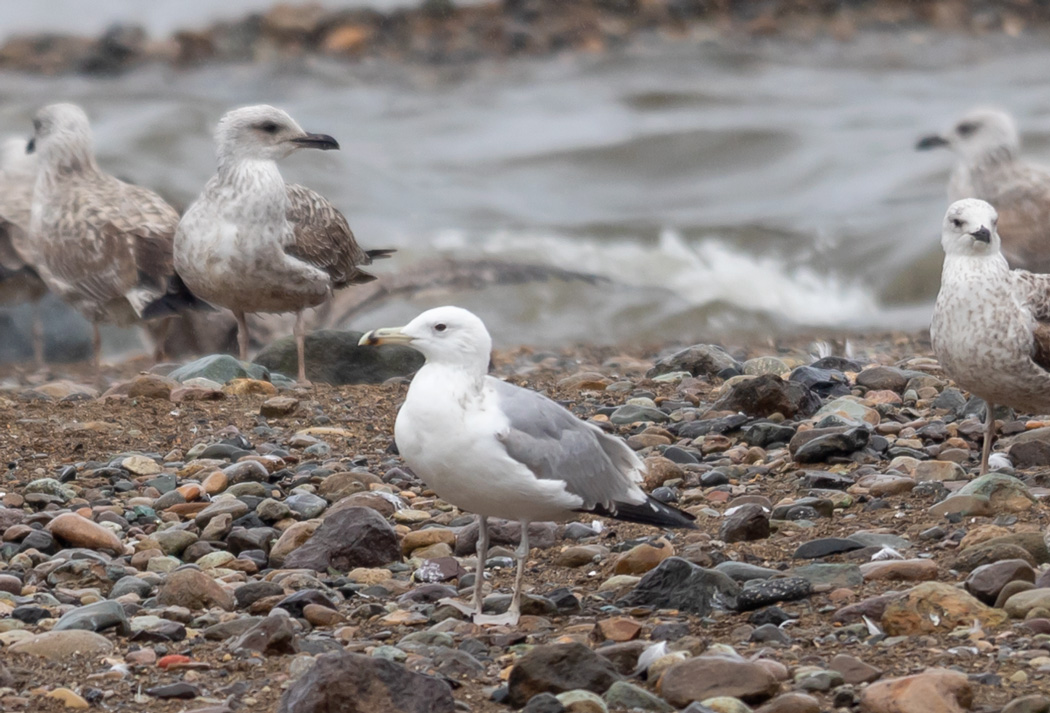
[981, 134]
[62, 138]
[969, 229]
[264, 133]
[445, 335]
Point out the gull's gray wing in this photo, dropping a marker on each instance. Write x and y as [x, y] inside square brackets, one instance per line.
[555, 445]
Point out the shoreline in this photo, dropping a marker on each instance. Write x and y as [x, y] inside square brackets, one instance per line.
[440, 33]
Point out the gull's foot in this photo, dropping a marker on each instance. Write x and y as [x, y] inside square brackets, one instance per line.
[509, 618]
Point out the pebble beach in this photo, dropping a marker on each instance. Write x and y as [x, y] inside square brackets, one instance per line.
[210, 536]
[216, 542]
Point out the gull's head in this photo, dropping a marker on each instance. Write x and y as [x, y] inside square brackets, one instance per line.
[970, 229]
[979, 134]
[445, 335]
[62, 136]
[264, 133]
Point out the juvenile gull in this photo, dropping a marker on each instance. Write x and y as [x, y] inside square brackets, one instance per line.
[990, 167]
[19, 280]
[991, 324]
[103, 245]
[499, 450]
[251, 243]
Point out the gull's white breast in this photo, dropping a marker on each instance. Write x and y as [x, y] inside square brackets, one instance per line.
[447, 433]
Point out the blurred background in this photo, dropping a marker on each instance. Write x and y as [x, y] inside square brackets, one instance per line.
[726, 168]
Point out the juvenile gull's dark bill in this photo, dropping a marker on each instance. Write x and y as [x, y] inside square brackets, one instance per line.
[499, 450]
[104, 246]
[990, 167]
[991, 324]
[250, 243]
[19, 279]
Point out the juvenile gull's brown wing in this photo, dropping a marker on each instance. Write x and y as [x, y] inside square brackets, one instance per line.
[1034, 291]
[323, 238]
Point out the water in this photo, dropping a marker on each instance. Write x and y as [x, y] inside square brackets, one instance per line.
[745, 186]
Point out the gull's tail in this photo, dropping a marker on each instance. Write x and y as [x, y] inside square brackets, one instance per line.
[177, 299]
[651, 512]
[380, 253]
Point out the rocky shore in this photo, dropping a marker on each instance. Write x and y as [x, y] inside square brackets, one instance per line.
[442, 32]
[212, 538]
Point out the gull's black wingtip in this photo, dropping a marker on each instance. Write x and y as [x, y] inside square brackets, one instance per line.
[651, 512]
[176, 300]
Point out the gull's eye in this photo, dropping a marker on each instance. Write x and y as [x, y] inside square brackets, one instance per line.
[966, 128]
[36, 125]
[440, 327]
[956, 222]
[268, 127]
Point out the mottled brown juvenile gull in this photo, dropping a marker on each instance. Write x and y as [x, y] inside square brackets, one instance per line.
[990, 167]
[991, 324]
[499, 450]
[104, 246]
[251, 243]
[19, 280]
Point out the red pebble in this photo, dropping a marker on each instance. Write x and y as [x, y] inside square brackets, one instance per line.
[173, 660]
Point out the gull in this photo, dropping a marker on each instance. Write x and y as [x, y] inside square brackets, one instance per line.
[103, 245]
[991, 324]
[252, 243]
[19, 280]
[990, 167]
[499, 450]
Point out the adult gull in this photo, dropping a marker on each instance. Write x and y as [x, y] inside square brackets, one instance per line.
[991, 324]
[104, 246]
[251, 243]
[990, 167]
[499, 450]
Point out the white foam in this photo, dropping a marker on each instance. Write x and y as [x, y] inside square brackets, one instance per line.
[701, 273]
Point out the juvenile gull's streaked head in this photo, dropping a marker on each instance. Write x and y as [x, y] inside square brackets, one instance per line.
[969, 229]
[980, 134]
[62, 138]
[445, 335]
[264, 133]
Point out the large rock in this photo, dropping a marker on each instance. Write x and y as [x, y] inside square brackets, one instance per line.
[768, 394]
[556, 668]
[63, 645]
[704, 677]
[679, 584]
[505, 532]
[219, 368]
[935, 690]
[988, 580]
[76, 531]
[1005, 492]
[355, 537]
[334, 357]
[191, 588]
[747, 522]
[699, 360]
[1021, 603]
[97, 616]
[936, 607]
[342, 682]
